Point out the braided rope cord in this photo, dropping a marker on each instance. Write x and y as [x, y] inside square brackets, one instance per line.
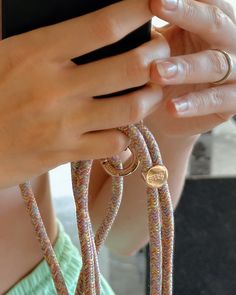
[166, 214]
[41, 234]
[160, 220]
[102, 232]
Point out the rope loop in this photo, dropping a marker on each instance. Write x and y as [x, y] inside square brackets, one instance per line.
[146, 155]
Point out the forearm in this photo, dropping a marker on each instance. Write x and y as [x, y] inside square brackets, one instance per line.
[130, 230]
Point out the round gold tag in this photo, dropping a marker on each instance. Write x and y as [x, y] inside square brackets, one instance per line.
[156, 176]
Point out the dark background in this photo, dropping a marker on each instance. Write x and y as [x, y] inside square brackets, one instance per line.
[205, 242]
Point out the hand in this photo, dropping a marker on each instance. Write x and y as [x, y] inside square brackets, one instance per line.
[195, 28]
[48, 113]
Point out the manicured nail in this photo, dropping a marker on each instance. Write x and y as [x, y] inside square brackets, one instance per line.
[167, 69]
[181, 105]
[170, 4]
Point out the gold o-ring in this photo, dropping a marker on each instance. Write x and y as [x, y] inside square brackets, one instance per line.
[111, 170]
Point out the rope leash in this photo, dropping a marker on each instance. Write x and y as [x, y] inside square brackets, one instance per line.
[146, 153]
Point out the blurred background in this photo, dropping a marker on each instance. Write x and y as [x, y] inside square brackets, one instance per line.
[205, 247]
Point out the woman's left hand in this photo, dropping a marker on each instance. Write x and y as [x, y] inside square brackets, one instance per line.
[192, 105]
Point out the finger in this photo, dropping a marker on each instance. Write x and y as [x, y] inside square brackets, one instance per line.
[156, 34]
[203, 67]
[98, 145]
[115, 73]
[225, 6]
[207, 21]
[220, 99]
[117, 111]
[86, 33]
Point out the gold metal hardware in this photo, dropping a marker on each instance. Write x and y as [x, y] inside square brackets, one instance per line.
[111, 170]
[156, 176]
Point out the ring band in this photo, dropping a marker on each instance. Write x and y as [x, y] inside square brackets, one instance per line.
[230, 68]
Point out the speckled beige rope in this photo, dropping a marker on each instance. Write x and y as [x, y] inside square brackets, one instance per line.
[160, 217]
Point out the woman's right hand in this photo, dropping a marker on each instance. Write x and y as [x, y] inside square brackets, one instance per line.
[48, 115]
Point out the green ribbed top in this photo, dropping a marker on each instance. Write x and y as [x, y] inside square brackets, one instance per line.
[39, 281]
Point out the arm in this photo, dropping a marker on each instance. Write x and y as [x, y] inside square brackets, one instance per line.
[130, 230]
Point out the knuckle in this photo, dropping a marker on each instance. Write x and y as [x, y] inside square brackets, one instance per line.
[189, 9]
[197, 102]
[137, 68]
[213, 99]
[189, 67]
[218, 62]
[107, 28]
[217, 18]
[216, 97]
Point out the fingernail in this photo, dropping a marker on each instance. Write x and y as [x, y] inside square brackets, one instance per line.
[181, 105]
[170, 4]
[167, 69]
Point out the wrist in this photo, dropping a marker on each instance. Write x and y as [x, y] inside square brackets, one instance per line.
[176, 141]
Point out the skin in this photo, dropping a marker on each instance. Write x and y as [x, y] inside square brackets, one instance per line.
[49, 112]
[43, 148]
[191, 45]
[53, 118]
[177, 132]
